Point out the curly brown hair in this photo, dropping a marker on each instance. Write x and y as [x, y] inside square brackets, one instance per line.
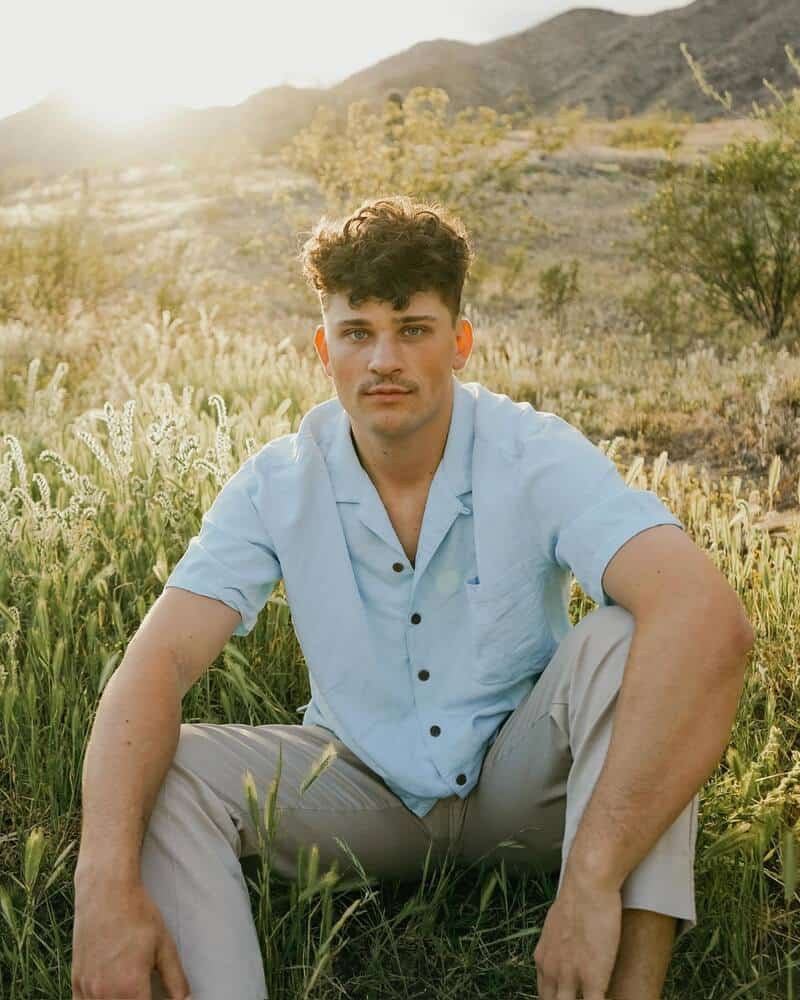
[389, 249]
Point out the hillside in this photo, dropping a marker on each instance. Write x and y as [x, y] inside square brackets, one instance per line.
[615, 64]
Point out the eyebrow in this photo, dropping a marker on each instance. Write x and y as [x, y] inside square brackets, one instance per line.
[357, 320]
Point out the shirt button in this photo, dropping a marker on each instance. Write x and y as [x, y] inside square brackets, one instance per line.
[397, 567]
[435, 730]
[423, 675]
[461, 779]
[416, 618]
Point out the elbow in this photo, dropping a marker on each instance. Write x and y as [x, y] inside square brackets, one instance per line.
[748, 636]
[742, 636]
[743, 629]
[723, 621]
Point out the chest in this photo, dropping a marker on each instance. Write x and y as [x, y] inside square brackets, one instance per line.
[406, 517]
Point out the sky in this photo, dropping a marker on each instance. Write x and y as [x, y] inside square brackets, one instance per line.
[122, 59]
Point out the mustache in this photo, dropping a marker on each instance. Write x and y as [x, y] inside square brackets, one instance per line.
[389, 385]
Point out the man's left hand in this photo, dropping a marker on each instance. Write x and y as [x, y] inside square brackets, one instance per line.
[577, 949]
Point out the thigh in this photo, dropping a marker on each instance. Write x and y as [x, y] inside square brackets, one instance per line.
[516, 811]
[346, 802]
[521, 794]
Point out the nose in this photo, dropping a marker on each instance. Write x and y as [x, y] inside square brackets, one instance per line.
[384, 357]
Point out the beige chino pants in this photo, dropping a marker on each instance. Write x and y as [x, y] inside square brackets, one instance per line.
[535, 782]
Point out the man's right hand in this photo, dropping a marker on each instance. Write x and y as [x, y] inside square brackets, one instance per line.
[119, 937]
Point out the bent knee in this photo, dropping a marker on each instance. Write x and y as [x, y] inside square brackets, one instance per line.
[192, 747]
[604, 637]
[608, 626]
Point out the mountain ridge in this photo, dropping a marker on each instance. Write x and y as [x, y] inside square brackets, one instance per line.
[614, 64]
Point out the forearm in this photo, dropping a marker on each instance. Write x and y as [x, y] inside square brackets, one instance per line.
[673, 719]
[130, 749]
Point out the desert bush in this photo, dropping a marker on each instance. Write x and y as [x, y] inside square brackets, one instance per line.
[659, 130]
[550, 132]
[417, 147]
[558, 288]
[44, 271]
[170, 292]
[661, 306]
[729, 230]
[22, 175]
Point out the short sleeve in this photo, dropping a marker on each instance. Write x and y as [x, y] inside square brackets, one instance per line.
[232, 557]
[585, 506]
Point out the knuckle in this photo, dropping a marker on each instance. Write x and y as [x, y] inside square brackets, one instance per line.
[117, 986]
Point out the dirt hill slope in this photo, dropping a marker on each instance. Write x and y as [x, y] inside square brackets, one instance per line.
[612, 63]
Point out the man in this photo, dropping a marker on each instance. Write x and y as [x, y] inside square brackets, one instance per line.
[426, 531]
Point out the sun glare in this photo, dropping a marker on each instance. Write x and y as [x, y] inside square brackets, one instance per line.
[118, 104]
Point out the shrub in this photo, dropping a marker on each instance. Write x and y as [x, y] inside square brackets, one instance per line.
[171, 291]
[414, 146]
[558, 288]
[46, 270]
[661, 307]
[728, 230]
[655, 131]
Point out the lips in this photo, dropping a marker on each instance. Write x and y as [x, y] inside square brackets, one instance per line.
[388, 392]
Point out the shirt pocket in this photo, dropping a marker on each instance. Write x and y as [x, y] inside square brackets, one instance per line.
[505, 622]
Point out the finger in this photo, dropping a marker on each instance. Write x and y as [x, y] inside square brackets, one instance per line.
[595, 994]
[77, 989]
[567, 990]
[169, 965]
[593, 990]
[546, 987]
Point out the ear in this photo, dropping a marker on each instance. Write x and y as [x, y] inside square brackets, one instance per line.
[464, 340]
[321, 347]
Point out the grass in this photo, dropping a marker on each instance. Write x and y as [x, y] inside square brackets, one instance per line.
[653, 131]
[119, 423]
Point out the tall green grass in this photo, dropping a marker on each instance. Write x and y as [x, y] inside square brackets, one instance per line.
[98, 501]
[120, 419]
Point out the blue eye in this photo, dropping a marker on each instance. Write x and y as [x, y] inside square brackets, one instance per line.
[350, 333]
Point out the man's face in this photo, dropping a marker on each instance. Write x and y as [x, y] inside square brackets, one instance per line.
[414, 349]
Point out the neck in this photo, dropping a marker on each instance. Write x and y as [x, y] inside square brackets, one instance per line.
[404, 465]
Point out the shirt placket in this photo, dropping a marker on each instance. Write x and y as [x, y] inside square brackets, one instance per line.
[441, 510]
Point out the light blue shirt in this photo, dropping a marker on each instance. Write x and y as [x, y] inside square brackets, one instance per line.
[416, 667]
